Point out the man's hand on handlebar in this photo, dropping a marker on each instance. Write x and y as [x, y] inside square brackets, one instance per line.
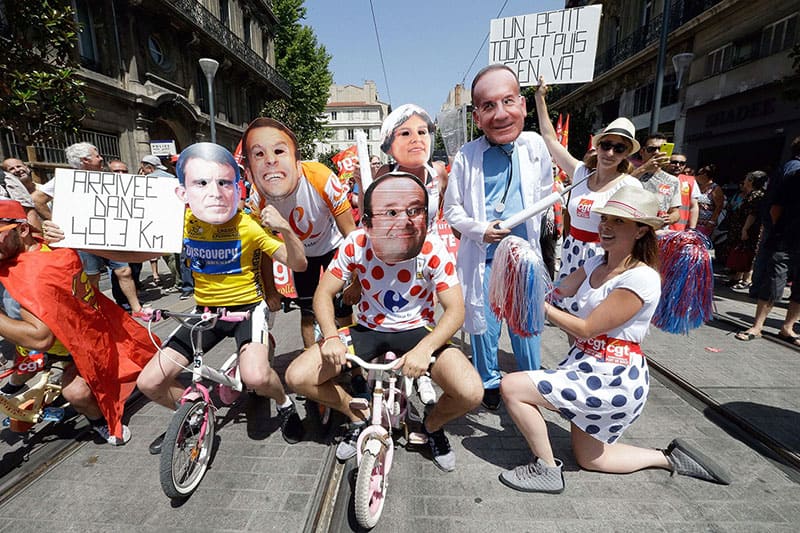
[414, 363]
[334, 352]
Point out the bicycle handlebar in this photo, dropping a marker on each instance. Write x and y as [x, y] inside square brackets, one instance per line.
[222, 314]
[372, 366]
[391, 365]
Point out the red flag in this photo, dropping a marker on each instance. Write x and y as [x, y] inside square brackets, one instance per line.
[565, 133]
[346, 161]
[238, 155]
[109, 347]
[559, 128]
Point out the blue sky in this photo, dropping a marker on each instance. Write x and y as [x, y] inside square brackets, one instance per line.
[427, 45]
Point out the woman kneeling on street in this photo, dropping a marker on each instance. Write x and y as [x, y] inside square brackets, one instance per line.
[602, 385]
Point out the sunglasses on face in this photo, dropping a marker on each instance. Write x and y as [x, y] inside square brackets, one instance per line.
[619, 148]
[652, 149]
[676, 162]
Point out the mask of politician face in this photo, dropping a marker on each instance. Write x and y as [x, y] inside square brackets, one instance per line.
[209, 182]
[396, 216]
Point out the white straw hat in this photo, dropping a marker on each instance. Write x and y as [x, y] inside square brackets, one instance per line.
[622, 127]
[633, 203]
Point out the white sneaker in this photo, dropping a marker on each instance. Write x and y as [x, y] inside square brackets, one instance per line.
[425, 390]
[104, 432]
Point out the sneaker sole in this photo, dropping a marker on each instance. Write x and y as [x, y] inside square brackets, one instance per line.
[509, 485]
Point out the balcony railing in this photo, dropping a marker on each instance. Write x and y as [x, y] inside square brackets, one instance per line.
[194, 13]
[681, 12]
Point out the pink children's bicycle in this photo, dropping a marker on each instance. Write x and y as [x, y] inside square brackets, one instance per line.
[375, 447]
[189, 439]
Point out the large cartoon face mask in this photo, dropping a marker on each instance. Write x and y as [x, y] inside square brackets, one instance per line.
[209, 182]
[395, 207]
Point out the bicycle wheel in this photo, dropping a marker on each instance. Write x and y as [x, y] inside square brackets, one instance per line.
[371, 484]
[187, 449]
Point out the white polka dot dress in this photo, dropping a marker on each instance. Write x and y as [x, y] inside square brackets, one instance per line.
[601, 397]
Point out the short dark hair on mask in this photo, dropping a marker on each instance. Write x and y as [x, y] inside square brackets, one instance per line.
[266, 122]
[486, 70]
[211, 152]
[366, 218]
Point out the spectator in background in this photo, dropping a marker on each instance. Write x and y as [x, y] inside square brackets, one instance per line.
[151, 165]
[744, 227]
[16, 184]
[689, 210]
[778, 258]
[710, 201]
[665, 186]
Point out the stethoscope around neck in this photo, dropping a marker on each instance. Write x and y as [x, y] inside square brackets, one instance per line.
[500, 206]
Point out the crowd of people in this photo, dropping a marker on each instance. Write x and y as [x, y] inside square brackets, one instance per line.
[370, 270]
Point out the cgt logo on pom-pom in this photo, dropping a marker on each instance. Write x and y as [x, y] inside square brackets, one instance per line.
[585, 207]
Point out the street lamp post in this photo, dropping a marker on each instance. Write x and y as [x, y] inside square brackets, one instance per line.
[209, 67]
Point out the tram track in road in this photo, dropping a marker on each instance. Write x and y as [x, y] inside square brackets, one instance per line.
[745, 430]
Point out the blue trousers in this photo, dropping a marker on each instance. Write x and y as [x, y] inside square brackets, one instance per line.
[484, 346]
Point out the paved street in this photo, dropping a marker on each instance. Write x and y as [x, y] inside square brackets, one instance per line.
[259, 483]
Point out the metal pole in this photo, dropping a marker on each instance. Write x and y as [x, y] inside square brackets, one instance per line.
[211, 107]
[209, 67]
[662, 54]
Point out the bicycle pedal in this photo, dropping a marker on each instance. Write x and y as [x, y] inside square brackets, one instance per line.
[53, 414]
[416, 438]
[359, 404]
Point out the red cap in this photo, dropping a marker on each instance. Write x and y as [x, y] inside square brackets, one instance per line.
[12, 210]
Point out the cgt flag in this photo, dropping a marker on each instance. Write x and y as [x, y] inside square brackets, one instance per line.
[346, 161]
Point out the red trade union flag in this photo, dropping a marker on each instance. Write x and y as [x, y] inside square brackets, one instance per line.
[346, 161]
[559, 128]
[109, 347]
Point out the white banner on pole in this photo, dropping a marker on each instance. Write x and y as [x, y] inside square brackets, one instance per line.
[108, 211]
[559, 45]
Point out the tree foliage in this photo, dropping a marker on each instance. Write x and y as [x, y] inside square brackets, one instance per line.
[326, 158]
[303, 62]
[40, 94]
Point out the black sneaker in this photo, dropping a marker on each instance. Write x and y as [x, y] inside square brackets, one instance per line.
[186, 295]
[347, 446]
[291, 425]
[491, 399]
[443, 455]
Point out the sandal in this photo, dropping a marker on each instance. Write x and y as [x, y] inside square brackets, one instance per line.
[741, 285]
[745, 336]
[791, 339]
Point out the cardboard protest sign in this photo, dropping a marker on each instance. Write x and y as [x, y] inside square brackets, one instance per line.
[108, 211]
[559, 45]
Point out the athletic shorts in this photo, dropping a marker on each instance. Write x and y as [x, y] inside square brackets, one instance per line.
[305, 283]
[94, 264]
[369, 344]
[245, 332]
[778, 268]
